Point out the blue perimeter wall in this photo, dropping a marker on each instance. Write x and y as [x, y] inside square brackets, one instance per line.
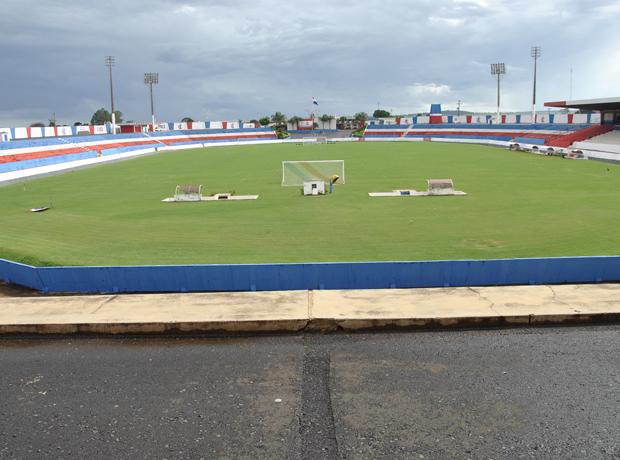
[343, 275]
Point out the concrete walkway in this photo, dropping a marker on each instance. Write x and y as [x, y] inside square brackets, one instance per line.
[293, 311]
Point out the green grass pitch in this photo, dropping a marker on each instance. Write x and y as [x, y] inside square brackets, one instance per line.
[518, 205]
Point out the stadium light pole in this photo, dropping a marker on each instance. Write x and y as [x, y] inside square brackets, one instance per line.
[151, 78]
[535, 53]
[109, 62]
[498, 69]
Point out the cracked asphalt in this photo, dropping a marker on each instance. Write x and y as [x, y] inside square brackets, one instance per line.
[514, 393]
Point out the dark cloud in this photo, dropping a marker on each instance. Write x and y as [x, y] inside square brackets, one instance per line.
[220, 60]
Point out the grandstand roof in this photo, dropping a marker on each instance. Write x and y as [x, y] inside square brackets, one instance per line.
[606, 103]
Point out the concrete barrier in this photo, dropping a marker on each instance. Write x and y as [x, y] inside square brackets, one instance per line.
[24, 275]
[313, 276]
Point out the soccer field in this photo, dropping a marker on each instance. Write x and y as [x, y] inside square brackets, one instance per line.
[518, 205]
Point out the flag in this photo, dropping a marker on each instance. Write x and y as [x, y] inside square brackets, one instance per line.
[314, 101]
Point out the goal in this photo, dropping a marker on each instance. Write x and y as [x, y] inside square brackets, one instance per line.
[295, 173]
[440, 187]
[188, 193]
[313, 140]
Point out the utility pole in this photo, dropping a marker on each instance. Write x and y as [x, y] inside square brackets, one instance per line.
[570, 97]
[151, 79]
[458, 108]
[498, 69]
[109, 62]
[535, 53]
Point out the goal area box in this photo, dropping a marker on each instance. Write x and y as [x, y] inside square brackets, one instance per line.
[295, 173]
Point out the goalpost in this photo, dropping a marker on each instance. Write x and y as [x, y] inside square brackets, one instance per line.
[295, 173]
[188, 193]
[440, 187]
[313, 140]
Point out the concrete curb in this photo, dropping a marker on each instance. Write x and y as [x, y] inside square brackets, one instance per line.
[316, 325]
[214, 327]
[312, 311]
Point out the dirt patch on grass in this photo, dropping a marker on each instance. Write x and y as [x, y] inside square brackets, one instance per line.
[482, 244]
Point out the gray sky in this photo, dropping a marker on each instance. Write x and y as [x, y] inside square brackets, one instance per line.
[246, 58]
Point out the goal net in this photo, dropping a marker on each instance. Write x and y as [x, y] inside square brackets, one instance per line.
[440, 187]
[188, 193]
[295, 173]
[312, 140]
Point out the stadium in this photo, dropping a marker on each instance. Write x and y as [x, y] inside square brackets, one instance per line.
[317, 230]
[131, 209]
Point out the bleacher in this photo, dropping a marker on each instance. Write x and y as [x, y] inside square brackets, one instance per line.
[611, 137]
[602, 147]
[39, 152]
[588, 132]
[531, 133]
[516, 127]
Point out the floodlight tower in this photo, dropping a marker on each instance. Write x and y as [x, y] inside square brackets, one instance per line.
[151, 79]
[535, 52]
[109, 62]
[498, 69]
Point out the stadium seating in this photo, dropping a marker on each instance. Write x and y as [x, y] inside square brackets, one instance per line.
[605, 146]
[611, 137]
[586, 133]
[513, 127]
[32, 153]
[533, 133]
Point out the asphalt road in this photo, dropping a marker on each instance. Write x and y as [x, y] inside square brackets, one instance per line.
[520, 393]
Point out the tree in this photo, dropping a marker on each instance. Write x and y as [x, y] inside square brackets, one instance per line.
[37, 124]
[278, 118]
[52, 122]
[325, 119]
[380, 113]
[264, 121]
[361, 116]
[102, 116]
[187, 120]
[77, 123]
[295, 121]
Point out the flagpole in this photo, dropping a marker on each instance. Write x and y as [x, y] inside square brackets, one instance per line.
[312, 114]
[314, 103]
